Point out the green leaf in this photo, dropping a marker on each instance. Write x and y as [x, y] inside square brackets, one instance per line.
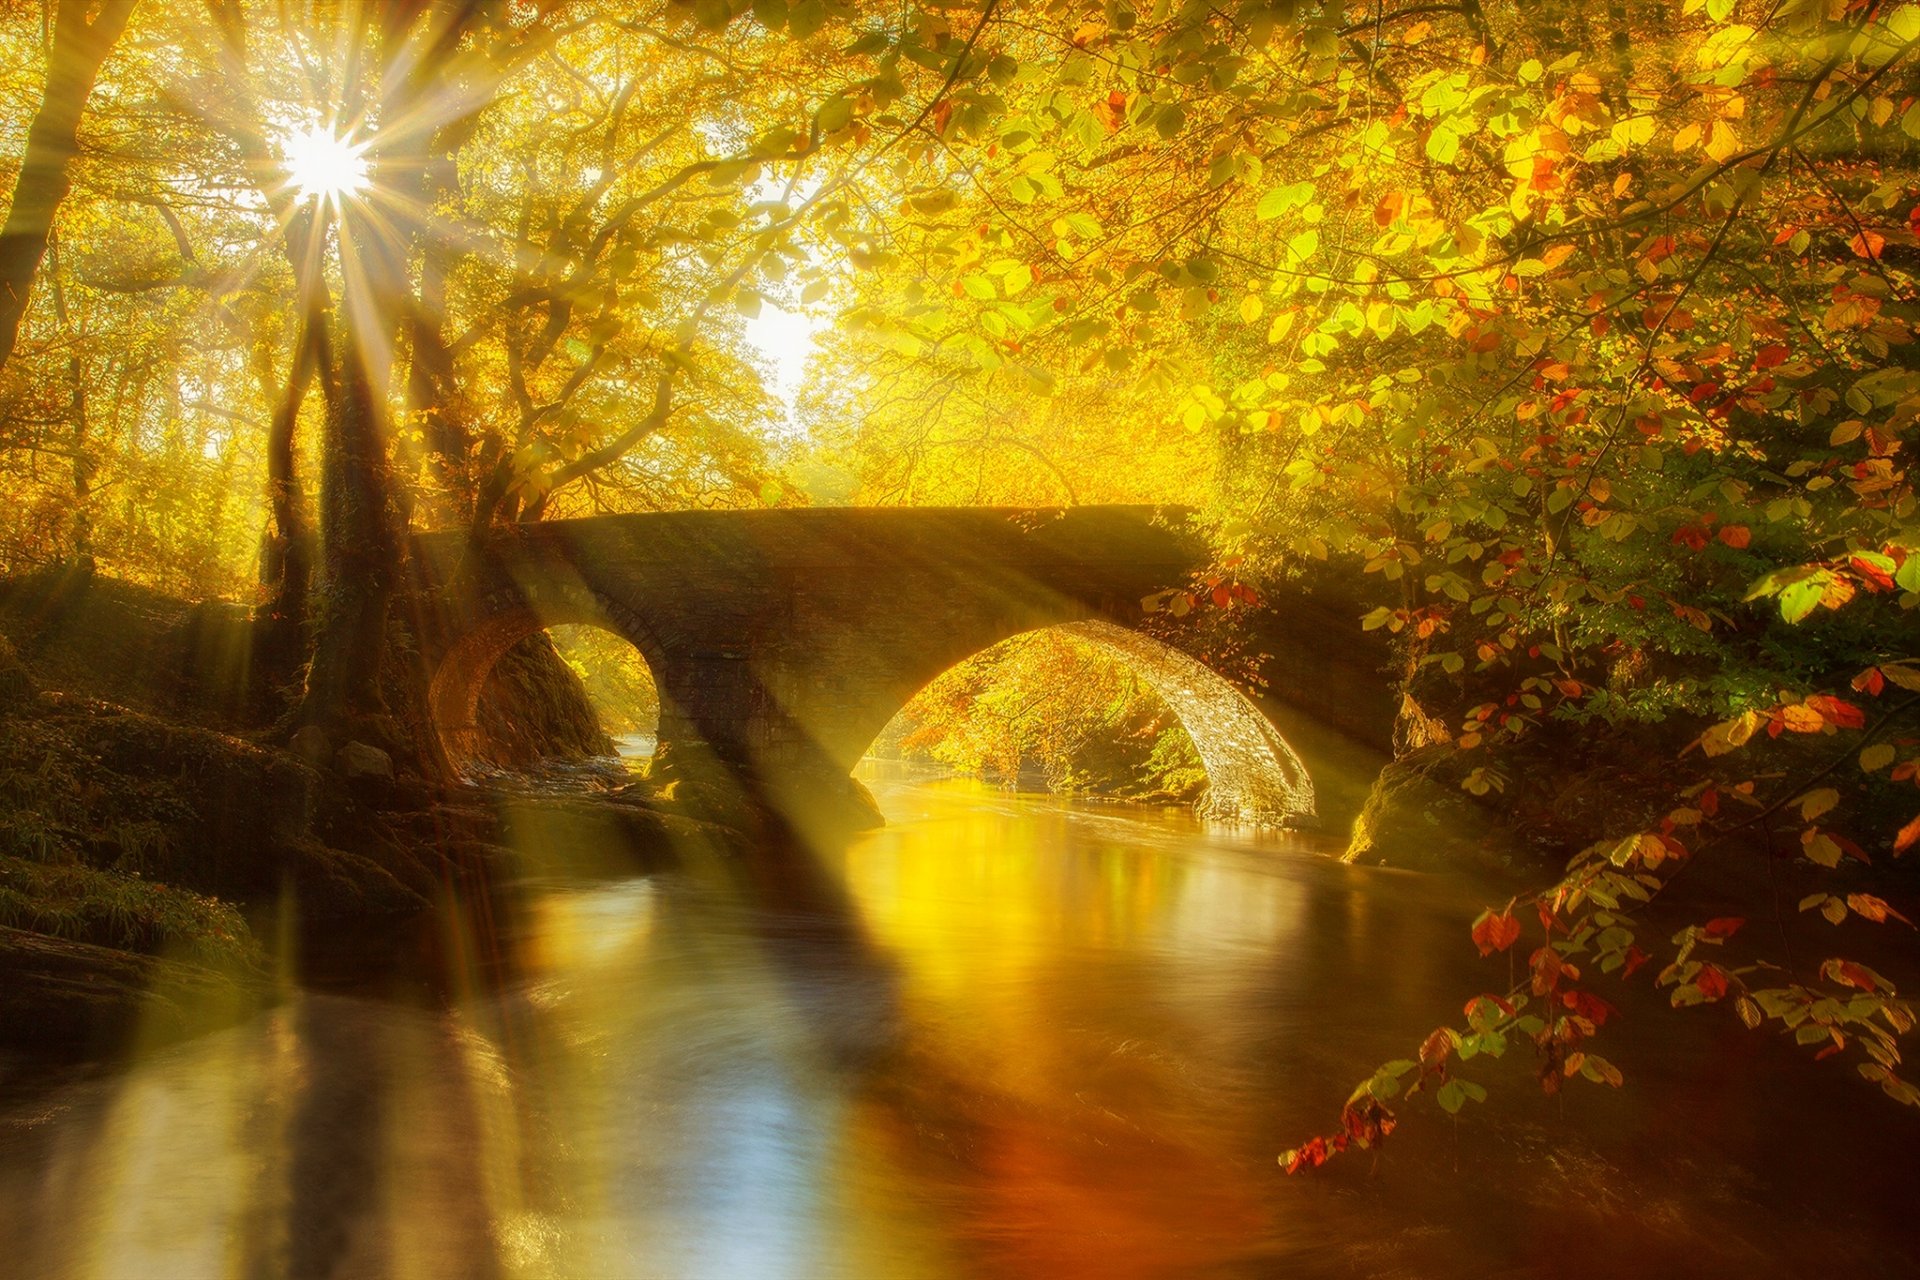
[1800, 599]
[1907, 577]
[835, 114]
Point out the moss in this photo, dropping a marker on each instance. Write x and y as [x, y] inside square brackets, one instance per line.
[125, 912]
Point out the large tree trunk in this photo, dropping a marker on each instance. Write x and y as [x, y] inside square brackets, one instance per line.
[286, 561]
[359, 560]
[79, 47]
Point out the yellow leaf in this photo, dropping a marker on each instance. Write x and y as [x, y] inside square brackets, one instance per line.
[1815, 803]
[1902, 674]
[1730, 735]
[1722, 142]
[1820, 847]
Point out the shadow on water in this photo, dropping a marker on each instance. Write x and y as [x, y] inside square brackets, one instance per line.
[1005, 1036]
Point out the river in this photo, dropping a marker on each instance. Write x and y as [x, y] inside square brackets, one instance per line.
[1006, 1036]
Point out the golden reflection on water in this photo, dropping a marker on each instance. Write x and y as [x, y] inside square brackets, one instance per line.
[1003, 1037]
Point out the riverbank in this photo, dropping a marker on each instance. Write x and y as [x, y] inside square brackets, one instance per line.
[157, 842]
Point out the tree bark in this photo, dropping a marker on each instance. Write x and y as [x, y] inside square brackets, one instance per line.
[46, 171]
[359, 559]
[286, 567]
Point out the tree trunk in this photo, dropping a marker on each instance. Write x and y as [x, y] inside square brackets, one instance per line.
[79, 47]
[81, 526]
[286, 563]
[359, 561]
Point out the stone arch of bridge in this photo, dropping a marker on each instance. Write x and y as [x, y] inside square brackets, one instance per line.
[1253, 774]
[497, 625]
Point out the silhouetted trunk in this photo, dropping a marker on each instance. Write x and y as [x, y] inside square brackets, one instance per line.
[359, 560]
[79, 47]
[286, 562]
[81, 526]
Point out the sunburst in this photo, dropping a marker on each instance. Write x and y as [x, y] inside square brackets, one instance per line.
[324, 165]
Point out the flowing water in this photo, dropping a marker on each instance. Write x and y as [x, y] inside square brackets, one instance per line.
[1007, 1036]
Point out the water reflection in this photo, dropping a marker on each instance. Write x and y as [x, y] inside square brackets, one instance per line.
[1002, 1037]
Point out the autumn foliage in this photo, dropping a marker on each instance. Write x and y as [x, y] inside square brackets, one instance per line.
[1583, 334]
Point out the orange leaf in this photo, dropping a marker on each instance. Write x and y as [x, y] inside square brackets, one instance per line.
[1873, 908]
[1909, 834]
[1735, 535]
[1841, 714]
[1802, 719]
[1493, 933]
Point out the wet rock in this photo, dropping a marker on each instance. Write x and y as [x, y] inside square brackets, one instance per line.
[722, 803]
[312, 746]
[357, 761]
[1418, 817]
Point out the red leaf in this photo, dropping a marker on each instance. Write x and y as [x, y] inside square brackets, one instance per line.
[1769, 356]
[1311, 1155]
[1877, 579]
[1435, 1049]
[1712, 982]
[1635, 958]
[1839, 713]
[1588, 1006]
[1724, 927]
[1853, 975]
[1692, 536]
[1493, 933]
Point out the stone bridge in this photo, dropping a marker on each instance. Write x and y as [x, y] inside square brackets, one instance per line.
[783, 641]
